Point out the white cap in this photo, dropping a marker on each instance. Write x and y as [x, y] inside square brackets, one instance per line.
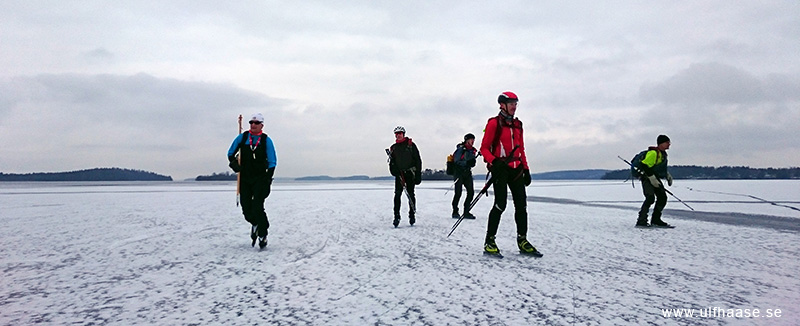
[256, 117]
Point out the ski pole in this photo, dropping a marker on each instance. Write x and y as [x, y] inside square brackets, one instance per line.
[659, 182]
[452, 186]
[405, 189]
[484, 191]
[238, 175]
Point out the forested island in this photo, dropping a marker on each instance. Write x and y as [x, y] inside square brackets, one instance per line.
[97, 174]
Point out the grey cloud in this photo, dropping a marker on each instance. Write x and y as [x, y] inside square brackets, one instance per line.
[707, 83]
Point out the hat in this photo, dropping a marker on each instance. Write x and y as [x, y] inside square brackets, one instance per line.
[469, 136]
[507, 97]
[257, 117]
[662, 139]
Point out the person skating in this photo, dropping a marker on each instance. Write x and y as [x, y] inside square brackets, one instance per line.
[405, 165]
[654, 168]
[464, 159]
[503, 149]
[258, 162]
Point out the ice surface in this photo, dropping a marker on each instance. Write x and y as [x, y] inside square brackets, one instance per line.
[179, 254]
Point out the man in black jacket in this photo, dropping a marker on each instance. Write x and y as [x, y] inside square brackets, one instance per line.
[463, 161]
[406, 167]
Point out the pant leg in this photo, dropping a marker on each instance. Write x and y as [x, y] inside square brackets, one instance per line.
[410, 188]
[457, 193]
[469, 184]
[246, 191]
[500, 187]
[649, 198]
[261, 190]
[517, 186]
[661, 201]
[398, 191]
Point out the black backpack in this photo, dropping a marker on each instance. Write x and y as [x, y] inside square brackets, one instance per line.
[635, 161]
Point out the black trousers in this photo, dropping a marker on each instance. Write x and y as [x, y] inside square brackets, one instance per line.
[408, 176]
[465, 180]
[652, 195]
[508, 179]
[253, 192]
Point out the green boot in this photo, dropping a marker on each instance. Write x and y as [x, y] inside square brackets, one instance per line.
[526, 247]
[490, 247]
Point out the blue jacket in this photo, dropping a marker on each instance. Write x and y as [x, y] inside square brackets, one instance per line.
[272, 158]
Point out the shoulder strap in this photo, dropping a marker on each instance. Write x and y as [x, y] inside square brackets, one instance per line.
[244, 136]
[497, 132]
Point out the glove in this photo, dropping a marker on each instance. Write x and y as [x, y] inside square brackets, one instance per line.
[654, 181]
[499, 163]
[393, 170]
[234, 164]
[526, 176]
[669, 179]
[417, 178]
[471, 163]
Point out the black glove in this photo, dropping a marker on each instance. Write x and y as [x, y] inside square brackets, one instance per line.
[393, 170]
[234, 164]
[526, 176]
[471, 163]
[499, 163]
[417, 178]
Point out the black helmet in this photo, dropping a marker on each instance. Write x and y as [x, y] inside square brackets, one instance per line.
[469, 136]
[507, 97]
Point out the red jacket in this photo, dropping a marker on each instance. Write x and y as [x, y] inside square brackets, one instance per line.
[510, 137]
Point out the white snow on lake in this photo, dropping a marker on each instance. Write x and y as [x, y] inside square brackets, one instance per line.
[178, 253]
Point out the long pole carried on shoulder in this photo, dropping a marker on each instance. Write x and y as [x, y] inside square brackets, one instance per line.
[659, 182]
[238, 174]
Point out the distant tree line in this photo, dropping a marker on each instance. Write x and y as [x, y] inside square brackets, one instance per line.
[723, 172]
[98, 174]
[225, 176]
[429, 174]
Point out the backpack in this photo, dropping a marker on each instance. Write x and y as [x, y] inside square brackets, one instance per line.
[635, 161]
[450, 165]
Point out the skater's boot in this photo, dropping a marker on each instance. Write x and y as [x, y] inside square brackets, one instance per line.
[526, 247]
[468, 215]
[411, 218]
[396, 220]
[490, 247]
[642, 222]
[262, 240]
[658, 223]
[253, 234]
[455, 213]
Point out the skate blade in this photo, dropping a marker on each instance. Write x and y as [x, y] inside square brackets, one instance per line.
[532, 254]
[497, 255]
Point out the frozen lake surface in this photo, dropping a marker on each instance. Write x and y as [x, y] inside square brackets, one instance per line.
[178, 253]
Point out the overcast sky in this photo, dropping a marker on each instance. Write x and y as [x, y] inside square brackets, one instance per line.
[158, 85]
